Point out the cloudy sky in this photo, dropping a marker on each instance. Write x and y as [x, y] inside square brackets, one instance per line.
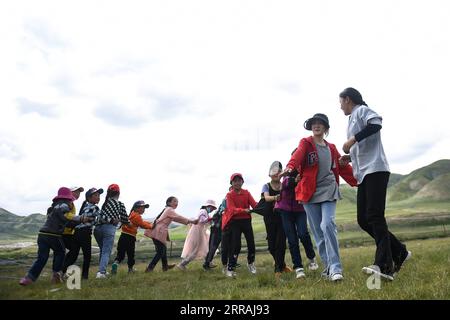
[171, 97]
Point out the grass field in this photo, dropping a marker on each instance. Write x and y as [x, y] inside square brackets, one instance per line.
[425, 276]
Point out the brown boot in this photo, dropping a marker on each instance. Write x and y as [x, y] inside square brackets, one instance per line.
[169, 266]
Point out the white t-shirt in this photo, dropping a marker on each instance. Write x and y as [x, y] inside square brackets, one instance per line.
[367, 155]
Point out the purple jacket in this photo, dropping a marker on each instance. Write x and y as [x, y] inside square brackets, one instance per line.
[287, 200]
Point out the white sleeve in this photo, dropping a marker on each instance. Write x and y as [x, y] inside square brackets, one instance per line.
[367, 115]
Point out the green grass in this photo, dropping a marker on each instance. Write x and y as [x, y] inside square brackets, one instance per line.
[425, 276]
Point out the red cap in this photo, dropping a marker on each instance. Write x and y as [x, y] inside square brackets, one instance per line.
[234, 175]
[114, 187]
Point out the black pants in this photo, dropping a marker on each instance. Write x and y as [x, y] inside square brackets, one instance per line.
[161, 254]
[45, 243]
[215, 237]
[371, 201]
[126, 244]
[82, 238]
[238, 227]
[276, 239]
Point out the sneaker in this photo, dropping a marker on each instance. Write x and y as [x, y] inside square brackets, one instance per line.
[131, 270]
[57, 277]
[312, 265]
[325, 273]
[287, 269]
[224, 269]
[114, 267]
[181, 267]
[299, 273]
[374, 269]
[336, 277]
[25, 281]
[212, 265]
[252, 268]
[230, 273]
[403, 257]
[100, 275]
[148, 269]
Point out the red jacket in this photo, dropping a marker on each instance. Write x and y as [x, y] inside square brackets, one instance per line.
[306, 161]
[237, 203]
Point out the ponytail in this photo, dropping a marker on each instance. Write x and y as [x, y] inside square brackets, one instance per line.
[353, 95]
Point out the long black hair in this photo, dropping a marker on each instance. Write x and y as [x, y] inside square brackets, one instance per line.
[353, 95]
[168, 201]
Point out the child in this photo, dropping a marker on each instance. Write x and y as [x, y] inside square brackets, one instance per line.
[50, 237]
[318, 190]
[237, 220]
[276, 238]
[215, 237]
[82, 238]
[127, 240]
[113, 212]
[371, 169]
[196, 243]
[160, 233]
[293, 217]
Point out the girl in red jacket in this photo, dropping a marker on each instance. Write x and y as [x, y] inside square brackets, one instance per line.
[317, 161]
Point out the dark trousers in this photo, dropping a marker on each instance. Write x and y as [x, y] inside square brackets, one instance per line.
[45, 243]
[238, 227]
[82, 238]
[161, 254]
[226, 243]
[126, 244]
[296, 227]
[215, 237]
[371, 201]
[276, 239]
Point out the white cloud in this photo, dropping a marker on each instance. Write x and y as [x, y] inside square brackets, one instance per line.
[170, 98]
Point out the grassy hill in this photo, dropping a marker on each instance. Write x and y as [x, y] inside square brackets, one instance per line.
[411, 184]
[14, 227]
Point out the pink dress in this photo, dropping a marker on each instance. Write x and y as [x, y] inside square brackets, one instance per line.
[196, 245]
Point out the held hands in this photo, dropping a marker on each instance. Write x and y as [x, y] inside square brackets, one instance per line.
[285, 172]
[344, 160]
[350, 142]
[194, 221]
[85, 219]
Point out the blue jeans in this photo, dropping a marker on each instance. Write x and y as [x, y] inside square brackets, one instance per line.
[45, 243]
[104, 234]
[321, 218]
[295, 227]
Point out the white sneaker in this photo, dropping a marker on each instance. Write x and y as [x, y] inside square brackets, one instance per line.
[100, 275]
[252, 268]
[313, 265]
[336, 277]
[230, 274]
[374, 269]
[299, 273]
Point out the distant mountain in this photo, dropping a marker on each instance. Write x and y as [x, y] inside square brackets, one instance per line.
[17, 227]
[421, 183]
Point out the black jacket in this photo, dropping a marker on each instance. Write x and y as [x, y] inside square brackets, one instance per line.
[57, 218]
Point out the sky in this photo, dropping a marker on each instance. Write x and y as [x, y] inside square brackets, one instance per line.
[169, 98]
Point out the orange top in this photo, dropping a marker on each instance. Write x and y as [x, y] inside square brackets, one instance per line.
[136, 222]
